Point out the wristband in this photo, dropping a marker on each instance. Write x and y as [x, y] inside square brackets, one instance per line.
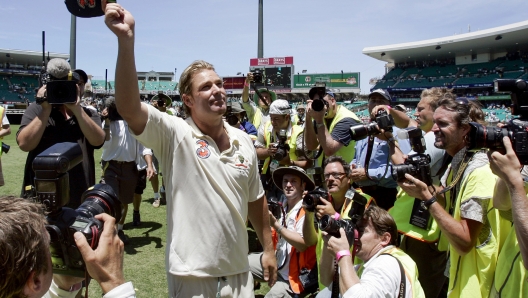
[341, 254]
[279, 230]
[336, 216]
[318, 125]
[246, 84]
[428, 203]
[389, 107]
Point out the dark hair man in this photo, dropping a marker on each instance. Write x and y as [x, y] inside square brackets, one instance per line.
[44, 125]
[25, 262]
[386, 268]
[510, 195]
[220, 180]
[293, 254]
[467, 219]
[422, 243]
[329, 128]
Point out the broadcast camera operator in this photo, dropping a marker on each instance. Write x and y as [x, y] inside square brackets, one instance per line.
[26, 266]
[467, 219]
[330, 126]
[421, 243]
[387, 271]
[293, 255]
[258, 111]
[44, 124]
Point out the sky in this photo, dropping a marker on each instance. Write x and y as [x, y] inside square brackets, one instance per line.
[322, 36]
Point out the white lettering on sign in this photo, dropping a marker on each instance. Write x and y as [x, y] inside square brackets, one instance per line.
[279, 60]
[263, 61]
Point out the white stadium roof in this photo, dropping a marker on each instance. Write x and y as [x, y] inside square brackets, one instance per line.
[506, 38]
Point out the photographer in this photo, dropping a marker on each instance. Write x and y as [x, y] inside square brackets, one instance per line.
[329, 127]
[298, 119]
[26, 265]
[466, 217]
[372, 154]
[269, 137]
[211, 170]
[258, 111]
[387, 271]
[163, 103]
[5, 130]
[510, 197]
[419, 243]
[293, 254]
[44, 125]
[239, 114]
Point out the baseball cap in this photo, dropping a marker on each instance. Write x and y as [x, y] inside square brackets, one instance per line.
[401, 107]
[330, 93]
[236, 107]
[280, 107]
[301, 107]
[82, 74]
[168, 100]
[279, 173]
[85, 9]
[383, 93]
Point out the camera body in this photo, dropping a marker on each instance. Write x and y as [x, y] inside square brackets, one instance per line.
[516, 129]
[313, 198]
[160, 102]
[282, 146]
[319, 103]
[275, 207]
[332, 226]
[52, 190]
[383, 121]
[257, 76]
[418, 164]
[61, 91]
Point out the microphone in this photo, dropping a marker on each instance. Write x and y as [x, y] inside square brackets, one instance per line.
[58, 68]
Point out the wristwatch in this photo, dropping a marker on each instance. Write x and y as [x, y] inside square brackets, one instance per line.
[428, 203]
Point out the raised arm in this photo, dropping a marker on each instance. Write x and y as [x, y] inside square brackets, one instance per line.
[121, 23]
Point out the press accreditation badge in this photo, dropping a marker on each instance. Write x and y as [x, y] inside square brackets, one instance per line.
[274, 165]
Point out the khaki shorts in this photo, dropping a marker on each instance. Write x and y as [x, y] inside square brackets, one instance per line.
[233, 286]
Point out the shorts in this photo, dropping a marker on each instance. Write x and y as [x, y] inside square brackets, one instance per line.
[141, 182]
[122, 177]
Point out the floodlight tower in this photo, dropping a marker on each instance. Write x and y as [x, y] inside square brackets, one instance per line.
[260, 30]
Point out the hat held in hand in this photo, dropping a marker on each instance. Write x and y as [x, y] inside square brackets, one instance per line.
[86, 8]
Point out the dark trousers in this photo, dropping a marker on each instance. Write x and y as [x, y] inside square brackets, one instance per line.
[385, 197]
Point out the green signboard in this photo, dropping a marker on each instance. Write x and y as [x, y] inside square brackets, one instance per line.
[332, 80]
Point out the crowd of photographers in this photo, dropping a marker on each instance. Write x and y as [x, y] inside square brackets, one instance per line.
[433, 206]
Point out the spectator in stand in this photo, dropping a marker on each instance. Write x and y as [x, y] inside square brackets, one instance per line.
[5, 130]
[258, 111]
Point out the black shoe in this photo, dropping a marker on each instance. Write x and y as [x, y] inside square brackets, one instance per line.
[123, 237]
[163, 198]
[136, 219]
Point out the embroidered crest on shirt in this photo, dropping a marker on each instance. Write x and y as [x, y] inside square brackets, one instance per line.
[203, 151]
[241, 163]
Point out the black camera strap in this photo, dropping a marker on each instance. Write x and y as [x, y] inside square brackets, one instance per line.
[401, 288]
[367, 158]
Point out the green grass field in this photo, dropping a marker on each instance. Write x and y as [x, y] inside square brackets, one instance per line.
[144, 262]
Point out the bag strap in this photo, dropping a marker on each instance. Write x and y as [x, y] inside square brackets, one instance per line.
[401, 291]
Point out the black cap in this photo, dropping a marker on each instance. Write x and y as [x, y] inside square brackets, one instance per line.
[86, 9]
[83, 75]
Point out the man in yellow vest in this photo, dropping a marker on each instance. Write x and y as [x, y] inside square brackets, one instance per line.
[329, 127]
[387, 271]
[5, 130]
[293, 254]
[421, 243]
[466, 217]
[510, 195]
[280, 150]
[258, 111]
